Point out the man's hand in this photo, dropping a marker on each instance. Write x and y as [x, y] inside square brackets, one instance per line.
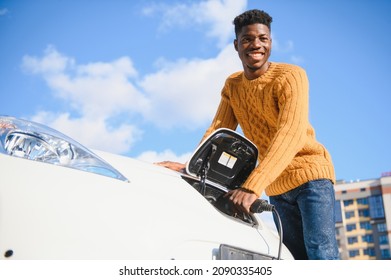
[242, 199]
[176, 166]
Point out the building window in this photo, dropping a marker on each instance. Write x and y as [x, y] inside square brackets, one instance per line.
[366, 225]
[381, 227]
[353, 253]
[363, 213]
[352, 240]
[385, 253]
[370, 252]
[348, 202]
[362, 201]
[376, 206]
[350, 227]
[383, 239]
[349, 214]
[367, 238]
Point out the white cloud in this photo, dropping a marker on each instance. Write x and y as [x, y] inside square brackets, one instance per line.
[153, 156]
[52, 63]
[186, 93]
[97, 89]
[214, 16]
[97, 92]
[182, 93]
[220, 14]
[93, 133]
[188, 90]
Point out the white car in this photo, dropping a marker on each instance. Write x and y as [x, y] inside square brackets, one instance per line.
[59, 200]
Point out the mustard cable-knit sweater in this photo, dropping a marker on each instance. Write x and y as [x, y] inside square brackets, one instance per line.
[272, 112]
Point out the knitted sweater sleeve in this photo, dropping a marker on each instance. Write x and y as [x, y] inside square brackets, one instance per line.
[224, 116]
[290, 136]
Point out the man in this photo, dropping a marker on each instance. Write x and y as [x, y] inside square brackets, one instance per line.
[270, 103]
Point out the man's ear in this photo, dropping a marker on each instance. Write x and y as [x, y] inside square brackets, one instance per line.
[236, 44]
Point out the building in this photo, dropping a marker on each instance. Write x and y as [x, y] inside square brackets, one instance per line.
[363, 218]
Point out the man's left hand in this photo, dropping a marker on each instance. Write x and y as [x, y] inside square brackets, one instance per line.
[242, 199]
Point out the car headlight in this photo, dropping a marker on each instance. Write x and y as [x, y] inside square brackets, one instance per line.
[35, 141]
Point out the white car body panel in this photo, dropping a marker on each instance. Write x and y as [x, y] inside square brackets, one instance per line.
[55, 212]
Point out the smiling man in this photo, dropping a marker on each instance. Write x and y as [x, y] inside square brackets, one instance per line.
[269, 101]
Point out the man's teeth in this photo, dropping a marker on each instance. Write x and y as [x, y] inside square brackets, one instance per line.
[255, 55]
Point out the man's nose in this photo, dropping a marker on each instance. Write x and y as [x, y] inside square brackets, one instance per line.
[257, 42]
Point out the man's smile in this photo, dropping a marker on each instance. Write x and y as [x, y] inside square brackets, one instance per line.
[256, 55]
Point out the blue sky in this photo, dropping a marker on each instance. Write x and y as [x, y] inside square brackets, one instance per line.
[143, 78]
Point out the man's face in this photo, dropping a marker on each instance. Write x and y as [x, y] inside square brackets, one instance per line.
[254, 45]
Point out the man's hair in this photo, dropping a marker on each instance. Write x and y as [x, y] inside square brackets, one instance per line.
[252, 17]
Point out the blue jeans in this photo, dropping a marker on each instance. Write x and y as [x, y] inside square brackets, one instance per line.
[308, 220]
